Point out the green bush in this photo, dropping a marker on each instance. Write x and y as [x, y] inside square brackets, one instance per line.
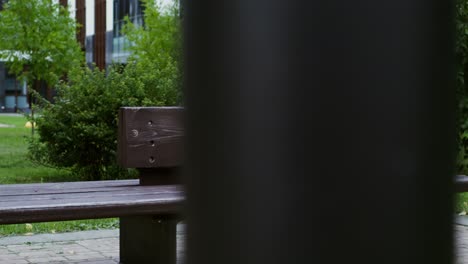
[461, 52]
[79, 131]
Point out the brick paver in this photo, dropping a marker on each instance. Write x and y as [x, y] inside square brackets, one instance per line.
[100, 250]
[87, 248]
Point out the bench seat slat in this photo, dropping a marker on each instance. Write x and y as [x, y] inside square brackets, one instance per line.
[50, 204]
[40, 192]
[41, 198]
[64, 186]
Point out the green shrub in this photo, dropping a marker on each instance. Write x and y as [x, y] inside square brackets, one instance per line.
[79, 131]
[461, 52]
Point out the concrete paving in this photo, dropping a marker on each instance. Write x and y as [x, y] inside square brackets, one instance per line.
[461, 244]
[80, 247]
[87, 247]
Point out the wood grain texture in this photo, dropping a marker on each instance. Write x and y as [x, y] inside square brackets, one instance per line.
[86, 200]
[99, 53]
[80, 15]
[150, 137]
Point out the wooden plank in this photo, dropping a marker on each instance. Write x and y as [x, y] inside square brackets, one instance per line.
[89, 212]
[5, 199]
[150, 137]
[92, 200]
[23, 203]
[38, 188]
[70, 209]
[56, 189]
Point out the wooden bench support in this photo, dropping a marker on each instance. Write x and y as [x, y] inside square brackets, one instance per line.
[148, 239]
[151, 140]
[461, 183]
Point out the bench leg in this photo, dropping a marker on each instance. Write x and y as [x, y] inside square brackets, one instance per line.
[148, 239]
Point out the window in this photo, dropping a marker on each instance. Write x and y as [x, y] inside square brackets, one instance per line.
[122, 8]
[131, 8]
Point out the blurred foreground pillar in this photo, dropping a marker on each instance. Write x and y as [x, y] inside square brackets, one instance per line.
[319, 131]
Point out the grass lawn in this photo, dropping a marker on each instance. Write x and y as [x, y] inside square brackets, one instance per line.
[16, 168]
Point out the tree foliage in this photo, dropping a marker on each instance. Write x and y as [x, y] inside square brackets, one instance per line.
[461, 52]
[38, 39]
[156, 47]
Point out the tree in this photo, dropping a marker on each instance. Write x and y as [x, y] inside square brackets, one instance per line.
[156, 50]
[38, 40]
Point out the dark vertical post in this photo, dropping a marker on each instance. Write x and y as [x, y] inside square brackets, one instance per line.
[100, 34]
[16, 96]
[81, 19]
[319, 131]
[148, 239]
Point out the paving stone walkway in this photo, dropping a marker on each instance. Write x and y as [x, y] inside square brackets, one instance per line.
[102, 247]
[87, 247]
[461, 244]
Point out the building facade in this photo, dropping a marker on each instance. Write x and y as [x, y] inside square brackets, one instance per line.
[101, 28]
[12, 91]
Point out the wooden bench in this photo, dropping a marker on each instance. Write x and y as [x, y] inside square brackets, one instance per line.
[461, 183]
[150, 139]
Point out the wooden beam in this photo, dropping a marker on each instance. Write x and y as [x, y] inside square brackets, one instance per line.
[100, 33]
[81, 20]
